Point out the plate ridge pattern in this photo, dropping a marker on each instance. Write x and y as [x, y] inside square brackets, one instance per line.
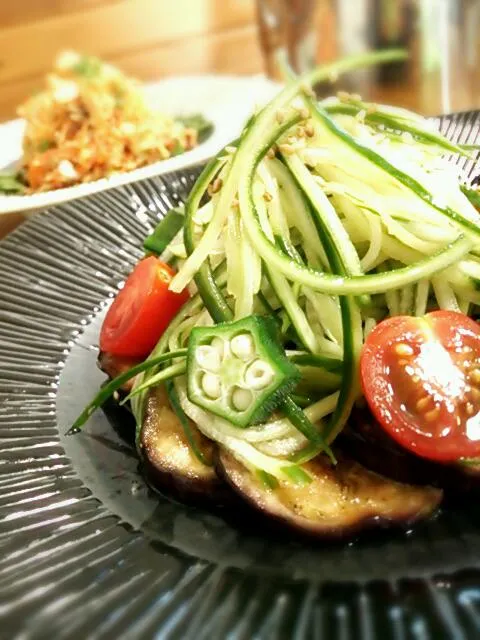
[69, 568]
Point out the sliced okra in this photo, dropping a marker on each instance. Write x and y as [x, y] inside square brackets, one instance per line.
[239, 370]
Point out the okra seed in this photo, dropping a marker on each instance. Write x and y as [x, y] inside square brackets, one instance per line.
[211, 385]
[242, 346]
[241, 398]
[219, 345]
[258, 375]
[208, 358]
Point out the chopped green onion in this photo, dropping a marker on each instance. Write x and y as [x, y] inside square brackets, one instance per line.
[164, 374]
[301, 422]
[115, 384]
[165, 231]
[185, 422]
[297, 475]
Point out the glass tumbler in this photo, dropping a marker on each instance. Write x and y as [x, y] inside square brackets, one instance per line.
[441, 37]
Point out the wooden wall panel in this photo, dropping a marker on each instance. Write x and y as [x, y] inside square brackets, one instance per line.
[148, 38]
[15, 12]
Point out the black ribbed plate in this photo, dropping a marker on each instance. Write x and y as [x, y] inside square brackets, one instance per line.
[88, 552]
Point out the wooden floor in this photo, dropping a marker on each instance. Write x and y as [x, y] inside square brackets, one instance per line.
[147, 38]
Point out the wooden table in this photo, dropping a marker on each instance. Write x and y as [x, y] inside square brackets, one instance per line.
[148, 39]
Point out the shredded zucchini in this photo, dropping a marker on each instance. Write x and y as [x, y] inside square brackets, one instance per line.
[325, 217]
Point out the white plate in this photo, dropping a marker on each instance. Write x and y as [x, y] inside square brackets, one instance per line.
[227, 101]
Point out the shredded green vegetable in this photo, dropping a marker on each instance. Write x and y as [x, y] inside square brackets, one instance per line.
[325, 217]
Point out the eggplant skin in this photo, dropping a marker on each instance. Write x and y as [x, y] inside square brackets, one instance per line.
[366, 441]
[340, 501]
[168, 463]
[113, 366]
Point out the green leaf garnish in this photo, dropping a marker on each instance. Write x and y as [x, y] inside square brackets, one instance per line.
[45, 145]
[10, 184]
[88, 67]
[198, 122]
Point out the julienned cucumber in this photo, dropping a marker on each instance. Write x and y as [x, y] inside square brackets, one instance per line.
[255, 138]
[211, 295]
[377, 115]
[469, 226]
[343, 232]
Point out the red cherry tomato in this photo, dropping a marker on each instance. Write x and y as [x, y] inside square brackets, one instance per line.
[141, 311]
[421, 379]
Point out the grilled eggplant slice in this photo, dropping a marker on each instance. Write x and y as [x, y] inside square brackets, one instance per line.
[113, 366]
[366, 441]
[341, 499]
[169, 464]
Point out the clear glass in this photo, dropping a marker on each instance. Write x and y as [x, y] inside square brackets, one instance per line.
[442, 38]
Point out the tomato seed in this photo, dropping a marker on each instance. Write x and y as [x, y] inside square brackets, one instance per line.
[475, 375]
[422, 403]
[432, 415]
[403, 349]
[475, 394]
[469, 408]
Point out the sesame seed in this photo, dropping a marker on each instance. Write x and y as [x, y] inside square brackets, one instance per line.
[267, 196]
[287, 149]
[309, 130]
[217, 185]
[307, 90]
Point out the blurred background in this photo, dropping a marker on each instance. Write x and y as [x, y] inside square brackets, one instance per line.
[151, 39]
[148, 39]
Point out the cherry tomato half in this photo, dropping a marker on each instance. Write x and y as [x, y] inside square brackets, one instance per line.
[421, 379]
[141, 311]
